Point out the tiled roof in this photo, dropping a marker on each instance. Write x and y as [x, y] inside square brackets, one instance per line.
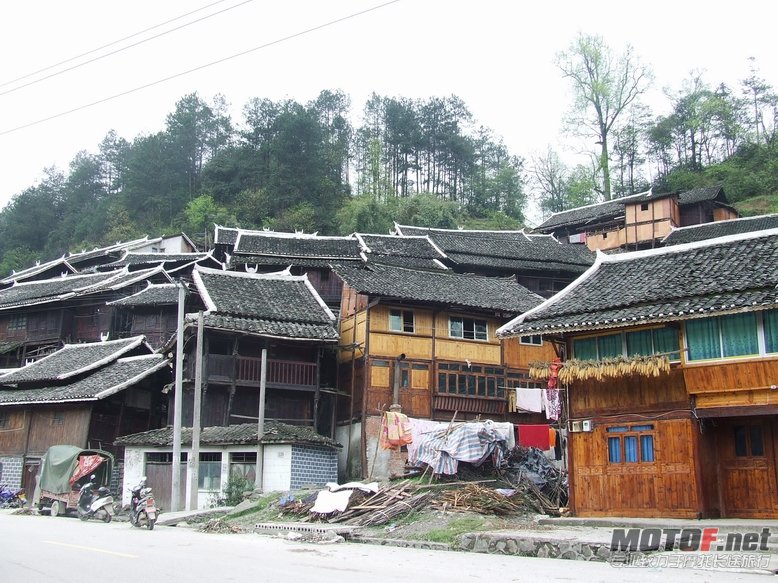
[238, 261]
[443, 287]
[615, 208]
[108, 380]
[273, 328]
[33, 292]
[412, 252]
[225, 235]
[130, 258]
[243, 434]
[720, 229]
[290, 245]
[61, 264]
[697, 195]
[153, 295]
[275, 296]
[667, 284]
[118, 248]
[72, 360]
[505, 249]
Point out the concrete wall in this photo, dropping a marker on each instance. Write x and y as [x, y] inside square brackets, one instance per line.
[381, 463]
[277, 468]
[350, 455]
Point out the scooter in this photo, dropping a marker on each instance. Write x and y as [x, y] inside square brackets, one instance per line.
[143, 508]
[91, 505]
[12, 498]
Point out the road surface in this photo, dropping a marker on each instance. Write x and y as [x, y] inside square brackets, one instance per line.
[42, 549]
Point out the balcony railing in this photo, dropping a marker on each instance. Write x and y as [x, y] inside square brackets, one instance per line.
[246, 370]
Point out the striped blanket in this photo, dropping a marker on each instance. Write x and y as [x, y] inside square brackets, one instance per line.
[468, 442]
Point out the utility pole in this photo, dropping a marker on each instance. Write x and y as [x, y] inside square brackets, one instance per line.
[177, 402]
[194, 459]
[261, 423]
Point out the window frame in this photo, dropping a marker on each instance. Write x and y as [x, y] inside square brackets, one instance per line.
[761, 339]
[209, 464]
[407, 321]
[474, 322]
[675, 357]
[637, 432]
[474, 381]
[531, 340]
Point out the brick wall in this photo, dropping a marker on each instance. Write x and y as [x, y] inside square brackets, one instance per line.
[313, 466]
[11, 471]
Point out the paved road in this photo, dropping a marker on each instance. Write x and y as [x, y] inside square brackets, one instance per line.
[41, 549]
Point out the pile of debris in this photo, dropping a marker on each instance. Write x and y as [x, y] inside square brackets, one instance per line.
[220, 526]
[530, 471]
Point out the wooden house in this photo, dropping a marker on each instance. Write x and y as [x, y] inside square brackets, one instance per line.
[670, 379]
[538, 262]
[39, 316]
[638, 221]
[83, 394]
[424, 340]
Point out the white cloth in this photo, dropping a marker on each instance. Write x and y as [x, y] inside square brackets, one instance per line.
[552, 404]
[327, 502]
[372, 487]
[529, 400]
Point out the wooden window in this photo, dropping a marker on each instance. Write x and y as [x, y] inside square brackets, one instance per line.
[724, 336]
[749, 441]
[471, 381]
[630, 444]
[534, 340]
[644, 342]
[467, 328]
[644, 206]
[17, 322]
[58, 418]
[4, 419]
[401, 321]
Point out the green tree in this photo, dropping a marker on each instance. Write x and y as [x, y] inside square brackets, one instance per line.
[604, 85]
[202, 212]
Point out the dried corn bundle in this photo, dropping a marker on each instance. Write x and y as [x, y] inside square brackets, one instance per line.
[606, 368]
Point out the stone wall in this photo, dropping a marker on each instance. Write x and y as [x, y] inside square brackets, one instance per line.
[11, 468]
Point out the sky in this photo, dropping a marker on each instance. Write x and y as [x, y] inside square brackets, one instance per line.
[496, 55]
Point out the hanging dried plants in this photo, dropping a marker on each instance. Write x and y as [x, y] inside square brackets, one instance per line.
[606, 368]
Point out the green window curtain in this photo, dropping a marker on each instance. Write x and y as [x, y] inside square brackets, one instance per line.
[666, 340]
[702, 337]
[639, 343]
[739, 334]
[771, 330]
[608, 346]
[585, 349]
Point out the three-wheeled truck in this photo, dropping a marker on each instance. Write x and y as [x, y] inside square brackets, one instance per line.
[64, 469]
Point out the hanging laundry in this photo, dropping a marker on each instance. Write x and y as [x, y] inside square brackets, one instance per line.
[533, 436]
[552, 404]
[395, 430]
[551, 437]
[529, 400]
[512, 399]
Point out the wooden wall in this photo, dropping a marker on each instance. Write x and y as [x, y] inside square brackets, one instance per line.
[733, 384]
[668, 487]
[69, 426]
[13, 436]
[518, 355]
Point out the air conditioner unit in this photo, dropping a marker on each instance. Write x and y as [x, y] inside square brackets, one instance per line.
[575, 426]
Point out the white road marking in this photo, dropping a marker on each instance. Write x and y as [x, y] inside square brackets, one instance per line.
[92, 549]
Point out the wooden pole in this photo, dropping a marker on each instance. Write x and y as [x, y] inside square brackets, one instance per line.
[175, 503]
[258, 483]
[194, 459]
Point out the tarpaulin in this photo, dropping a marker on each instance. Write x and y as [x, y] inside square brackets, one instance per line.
[86, 465]
[474, 443]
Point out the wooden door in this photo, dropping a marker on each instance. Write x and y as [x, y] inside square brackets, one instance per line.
[159, 476]
[747, 467]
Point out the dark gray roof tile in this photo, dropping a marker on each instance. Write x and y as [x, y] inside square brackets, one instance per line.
[243, 434]
[272, 328]
[72, 360]
[443, 287]
[153, 295]
[289, 245]
[720, 229]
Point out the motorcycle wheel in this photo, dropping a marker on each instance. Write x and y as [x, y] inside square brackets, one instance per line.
[150, 524]
[106, 518]
[83, 516]
[55, 508]
[135, 522]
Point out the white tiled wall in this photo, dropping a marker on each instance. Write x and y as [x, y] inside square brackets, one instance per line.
[277, 468]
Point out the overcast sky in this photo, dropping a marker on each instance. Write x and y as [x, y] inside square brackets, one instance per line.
[497, 55]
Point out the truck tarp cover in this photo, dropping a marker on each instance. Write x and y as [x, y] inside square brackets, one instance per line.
[58, 466]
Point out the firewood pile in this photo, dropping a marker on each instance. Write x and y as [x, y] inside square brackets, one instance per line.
[477, 498]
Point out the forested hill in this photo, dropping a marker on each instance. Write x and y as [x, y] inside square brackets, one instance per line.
[285, 165]
[291, 166]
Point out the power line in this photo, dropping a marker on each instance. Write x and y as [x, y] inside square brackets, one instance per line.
[140, 42]
[188, 71]
[44, 69]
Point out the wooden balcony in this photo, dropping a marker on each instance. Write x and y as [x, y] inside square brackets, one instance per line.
[282, 374]
[484, 406]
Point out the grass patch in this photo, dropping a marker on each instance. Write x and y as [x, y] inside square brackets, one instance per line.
[454, 528]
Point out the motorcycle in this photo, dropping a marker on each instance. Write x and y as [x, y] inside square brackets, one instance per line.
[12, 498]
[91, 505]
[143, 508]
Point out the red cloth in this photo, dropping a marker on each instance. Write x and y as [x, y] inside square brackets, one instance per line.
[86, 465]
[534, 436]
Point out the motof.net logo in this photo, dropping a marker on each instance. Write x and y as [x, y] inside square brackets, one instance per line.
[687, 539]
